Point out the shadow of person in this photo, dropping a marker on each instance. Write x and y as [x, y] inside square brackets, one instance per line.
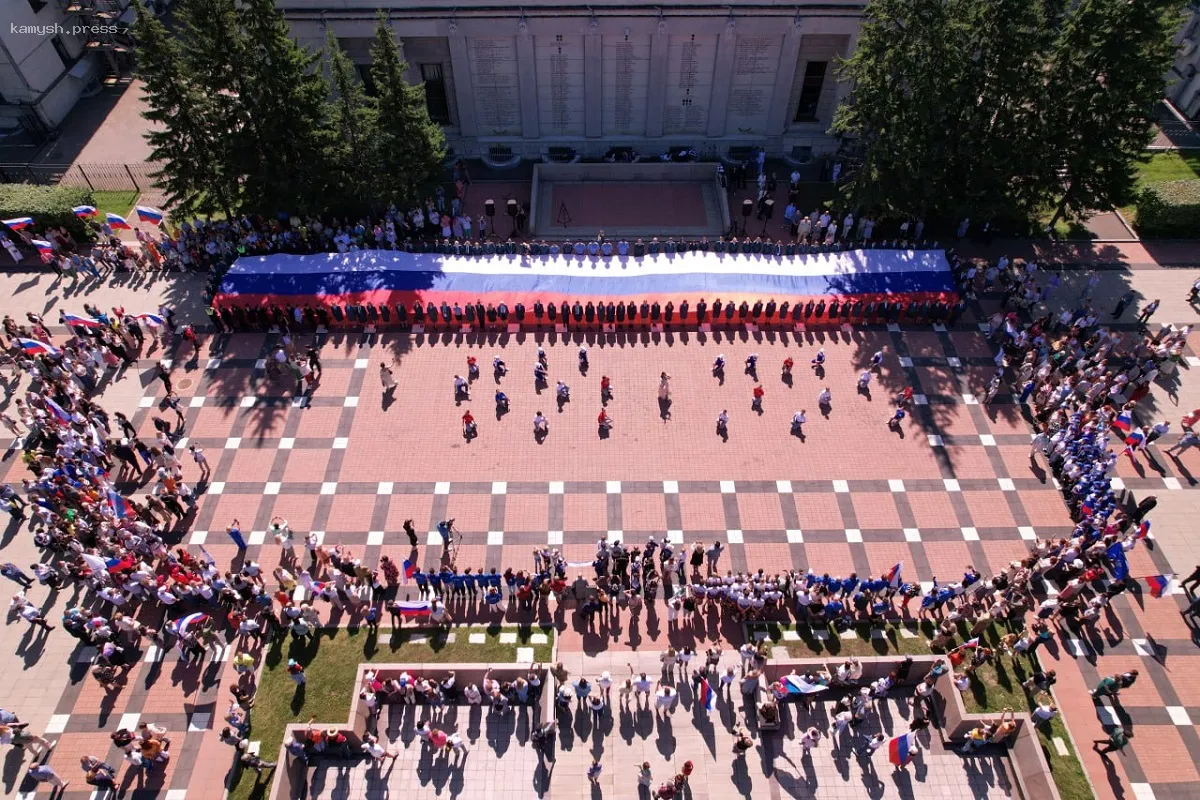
[664, 408]
[826, 409]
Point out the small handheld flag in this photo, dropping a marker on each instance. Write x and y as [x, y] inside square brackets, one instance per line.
[17, 223]
[82, 322]
[119, 506]
[972, 643]
[181, 625]
[43, 246]
[84, 211]
[153, 320]
[707, 698]
[34, 348]
[1123, 422]
[116, 221]
[414, 608]
[1143, 530]
[60, 413]
[409, 570]
[148, 214]
[1135, 438]
[1158, 584]
[115, 565]
[900, 751]
[893, 575]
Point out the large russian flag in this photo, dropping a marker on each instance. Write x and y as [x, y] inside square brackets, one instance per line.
[900, 750]
[116, 221]
[1123, 422]
[385, 278]
[408, 571]
[43, 246]
[414, 608]
[148, 214]
[17, 223]
[84, 211]
[153, 320]
[33, 347]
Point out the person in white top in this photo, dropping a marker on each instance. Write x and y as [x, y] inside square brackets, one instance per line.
[825, 397]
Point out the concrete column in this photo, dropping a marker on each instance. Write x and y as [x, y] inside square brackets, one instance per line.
[843, 87]
[593, 86]
[722, 80]
[656, 97]
[527, 79]
[785, 77]
[460, 65]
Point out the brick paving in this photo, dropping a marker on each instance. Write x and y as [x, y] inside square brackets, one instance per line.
[953, 487]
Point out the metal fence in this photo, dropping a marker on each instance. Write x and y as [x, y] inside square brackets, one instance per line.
[97, 177]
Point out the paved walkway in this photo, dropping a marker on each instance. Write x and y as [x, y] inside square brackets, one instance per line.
[502, 765]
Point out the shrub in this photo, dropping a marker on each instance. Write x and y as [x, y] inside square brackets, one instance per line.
[50, 206]
[1170, 209]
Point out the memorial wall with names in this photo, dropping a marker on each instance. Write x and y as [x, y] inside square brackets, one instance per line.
[561, 94]
[625, 85]
[691, 60]
[755, 63]
[494, 85]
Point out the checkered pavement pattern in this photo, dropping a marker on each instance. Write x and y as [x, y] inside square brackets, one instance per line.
[954, 486]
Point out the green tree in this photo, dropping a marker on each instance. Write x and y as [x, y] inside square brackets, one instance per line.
[1104, 79]
[411, 146]
[284, 99]
[940, 110]
[353, 134]
[184, 139]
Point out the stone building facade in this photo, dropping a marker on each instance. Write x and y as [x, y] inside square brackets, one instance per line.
[522, 79]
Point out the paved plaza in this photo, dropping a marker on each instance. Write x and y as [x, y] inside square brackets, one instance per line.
[955, 486]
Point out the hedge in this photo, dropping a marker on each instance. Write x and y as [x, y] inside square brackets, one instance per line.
[50, 206]
[1170, 209]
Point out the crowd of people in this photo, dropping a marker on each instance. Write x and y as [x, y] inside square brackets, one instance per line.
[1080, 379]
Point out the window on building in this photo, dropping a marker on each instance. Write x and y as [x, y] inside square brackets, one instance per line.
[37, 5]
[63, 54]
[810, 91]
[436, 100]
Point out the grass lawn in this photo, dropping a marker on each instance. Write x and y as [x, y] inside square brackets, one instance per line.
[114, 202]
[331, 664]
[862, 644]
[1171, 165]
